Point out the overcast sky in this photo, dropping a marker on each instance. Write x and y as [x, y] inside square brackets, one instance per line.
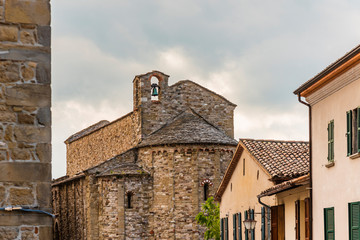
[255, 53]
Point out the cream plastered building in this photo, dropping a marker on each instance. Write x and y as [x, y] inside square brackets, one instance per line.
[333, 97]
[257, 165]
[290, 217]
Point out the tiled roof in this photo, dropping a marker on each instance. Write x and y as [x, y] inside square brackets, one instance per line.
[188, 127]
[296, 182]
[280, 159]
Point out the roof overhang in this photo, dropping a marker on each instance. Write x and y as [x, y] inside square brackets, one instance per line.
[293, 183]
[330, 73]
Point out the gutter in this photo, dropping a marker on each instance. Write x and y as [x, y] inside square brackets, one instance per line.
[310, 161]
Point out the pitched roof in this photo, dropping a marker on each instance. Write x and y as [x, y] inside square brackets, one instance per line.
[292, 183]
[280, 158]
[187, 127]
[204, 88]
[355, 51]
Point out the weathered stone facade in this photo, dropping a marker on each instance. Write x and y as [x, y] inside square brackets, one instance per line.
[25, 118]
[152, 181]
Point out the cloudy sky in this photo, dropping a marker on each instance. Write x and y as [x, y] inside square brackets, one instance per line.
[255, 53]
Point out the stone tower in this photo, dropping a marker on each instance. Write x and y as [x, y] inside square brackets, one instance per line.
[25, 120]
[146, 174]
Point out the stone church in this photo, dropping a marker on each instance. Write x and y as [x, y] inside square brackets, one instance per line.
[146, 174]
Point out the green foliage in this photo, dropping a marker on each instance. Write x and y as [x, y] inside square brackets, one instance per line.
[210, 218]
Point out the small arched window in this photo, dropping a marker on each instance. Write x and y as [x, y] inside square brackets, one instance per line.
[129, 199]
[206, 184]
[155, 89]
[206, 191]
[56, 231]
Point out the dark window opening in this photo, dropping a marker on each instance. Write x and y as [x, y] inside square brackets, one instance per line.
[129, 197]
[244, 167]
[353, 131]
[206, 191]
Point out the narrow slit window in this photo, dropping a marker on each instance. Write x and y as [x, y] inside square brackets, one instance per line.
[129, 199]
[206, 191]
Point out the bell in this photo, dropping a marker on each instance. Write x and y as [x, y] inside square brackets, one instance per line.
[154, 88]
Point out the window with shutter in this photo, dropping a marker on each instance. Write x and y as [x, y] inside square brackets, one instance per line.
[297, 219]
[222, 228]
[354, 220]
[252, 216]
[246, 231]
[358, 129]
[239, 226]
[331, 141]
[262, 223]
[349, 132]
[307, 218]
[226, 228]
[234, 227]
[329, 223]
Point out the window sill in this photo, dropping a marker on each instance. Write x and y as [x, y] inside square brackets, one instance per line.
[353, 156]
[330, 164]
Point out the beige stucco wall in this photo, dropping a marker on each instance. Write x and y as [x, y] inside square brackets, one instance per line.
[338, 185]
[244, 192]
[288, 199]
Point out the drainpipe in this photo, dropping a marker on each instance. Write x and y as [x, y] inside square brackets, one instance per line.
[310, 159]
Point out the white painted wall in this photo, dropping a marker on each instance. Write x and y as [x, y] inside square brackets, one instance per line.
[338, 185]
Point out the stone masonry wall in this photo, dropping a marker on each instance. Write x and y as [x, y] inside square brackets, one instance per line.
[69, 204]
[103, 144]
[25, 118]
[177, 98]
[178, 173]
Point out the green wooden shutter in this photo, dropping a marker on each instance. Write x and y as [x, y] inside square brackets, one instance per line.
[354, 220]
[358, 129]
[234, 227]
[349, 132]
[331, 141]
[226, 228]
[222, 228]
[262, 223]
[239, 226]
[329, 224]
[246, 231]
[252, 216]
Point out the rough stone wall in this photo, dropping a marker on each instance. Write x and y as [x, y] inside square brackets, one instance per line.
[69, 205]
[103, 144]
[175, 99]
[25, 118]
[178, 193]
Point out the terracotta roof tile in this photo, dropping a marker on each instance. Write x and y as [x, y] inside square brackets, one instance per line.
[280, 159]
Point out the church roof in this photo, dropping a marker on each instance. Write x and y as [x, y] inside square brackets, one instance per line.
[87, 131]
[187, 127]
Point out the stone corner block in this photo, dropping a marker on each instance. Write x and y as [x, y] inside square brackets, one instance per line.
[28, 11]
